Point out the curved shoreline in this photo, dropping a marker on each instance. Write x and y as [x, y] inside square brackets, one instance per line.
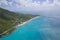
[13, 28]
[27, 21]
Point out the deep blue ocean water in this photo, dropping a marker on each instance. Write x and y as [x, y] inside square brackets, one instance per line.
[37, 29]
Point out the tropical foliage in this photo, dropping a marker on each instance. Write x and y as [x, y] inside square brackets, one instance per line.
[10, 19]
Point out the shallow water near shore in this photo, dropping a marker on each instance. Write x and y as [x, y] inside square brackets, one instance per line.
[36, 29]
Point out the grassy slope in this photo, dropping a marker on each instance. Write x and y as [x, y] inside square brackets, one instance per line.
[10, 19]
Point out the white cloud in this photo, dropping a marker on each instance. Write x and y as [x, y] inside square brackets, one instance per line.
[3, 2]
[36, 5]
[29, 5]
[10, 3]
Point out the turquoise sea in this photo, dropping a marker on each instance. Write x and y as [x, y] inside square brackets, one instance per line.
[37, 29]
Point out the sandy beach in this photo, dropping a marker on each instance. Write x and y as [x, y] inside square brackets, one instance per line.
[19, 25]
[26, 21]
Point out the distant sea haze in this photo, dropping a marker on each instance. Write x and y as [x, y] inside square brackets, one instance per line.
[52, 16]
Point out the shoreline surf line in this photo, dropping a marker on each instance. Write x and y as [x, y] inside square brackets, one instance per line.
[6, 32]
[27, 21]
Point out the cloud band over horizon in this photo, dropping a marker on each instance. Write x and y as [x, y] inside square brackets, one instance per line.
[37, 5]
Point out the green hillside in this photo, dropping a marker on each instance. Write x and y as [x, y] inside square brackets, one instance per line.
[10, 19]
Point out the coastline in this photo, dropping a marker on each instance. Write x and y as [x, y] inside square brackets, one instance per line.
[26, 21]
[13, 28]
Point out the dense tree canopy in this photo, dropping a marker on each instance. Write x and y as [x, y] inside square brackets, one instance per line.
[10, 19]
